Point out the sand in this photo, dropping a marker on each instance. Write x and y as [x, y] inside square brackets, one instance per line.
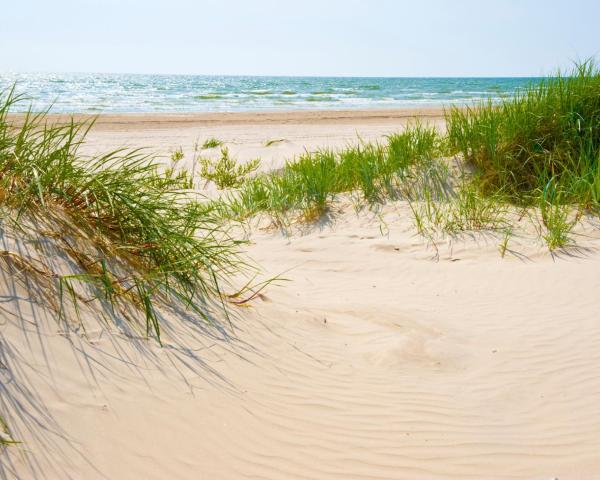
[247, 134]
[382, 357]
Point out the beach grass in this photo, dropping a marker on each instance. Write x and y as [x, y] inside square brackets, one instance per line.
[211, 142]
[177, 155]
[305, 187]
[137, 234]
[226, 172]
[540, 147]
[274, 141]
[409, 166]
[549, 131]
[5, 436]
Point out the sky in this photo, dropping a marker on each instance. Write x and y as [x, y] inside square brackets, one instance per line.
[299, 37]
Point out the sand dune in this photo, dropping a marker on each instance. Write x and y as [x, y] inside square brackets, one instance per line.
[383, 357]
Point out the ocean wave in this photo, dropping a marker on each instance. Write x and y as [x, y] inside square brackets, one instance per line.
[212, 96]
[259, 92]
[71, 93]
[322, 92]
[321, 99]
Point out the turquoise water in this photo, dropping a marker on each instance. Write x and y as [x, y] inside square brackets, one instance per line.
[96, 93]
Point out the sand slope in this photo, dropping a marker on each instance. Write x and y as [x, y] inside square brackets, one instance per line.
[383, 357]
[380, 359]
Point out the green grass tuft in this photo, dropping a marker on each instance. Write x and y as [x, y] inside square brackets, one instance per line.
[5, 436]
[211, 142]
[226, 172]
[270, 143]
[138, 236]
[550, 130]
[177, 155]
[556, 217]
[547, 135]
[305, 187]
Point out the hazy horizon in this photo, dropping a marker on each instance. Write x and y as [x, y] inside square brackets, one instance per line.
[243, 75]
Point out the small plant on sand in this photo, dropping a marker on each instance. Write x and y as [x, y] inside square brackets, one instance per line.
[177, 155]
[471, 211]
[313, 180]
[225, 172]
[503, 246]
[211, 142]
[177, 174]
[5, 436]
[467, 210]
[556, 217]
[270, 143]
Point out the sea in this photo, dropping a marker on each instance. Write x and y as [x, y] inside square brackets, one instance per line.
[113, 93]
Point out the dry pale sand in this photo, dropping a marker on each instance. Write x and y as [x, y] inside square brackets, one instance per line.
[383, 357]
[247, 134]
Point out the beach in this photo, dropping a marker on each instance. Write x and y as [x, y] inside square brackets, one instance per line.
[378, 354]
[248, 135]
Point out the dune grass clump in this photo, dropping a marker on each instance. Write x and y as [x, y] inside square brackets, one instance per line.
[548, 132]
[137, 235]
[305, 187]
[544, 139]
[463, 209]
[557, 217]
[226, 172]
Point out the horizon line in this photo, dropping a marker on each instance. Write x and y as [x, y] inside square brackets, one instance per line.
[241, 75]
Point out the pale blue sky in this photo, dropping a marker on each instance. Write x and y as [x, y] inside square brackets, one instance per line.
[293, 37]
